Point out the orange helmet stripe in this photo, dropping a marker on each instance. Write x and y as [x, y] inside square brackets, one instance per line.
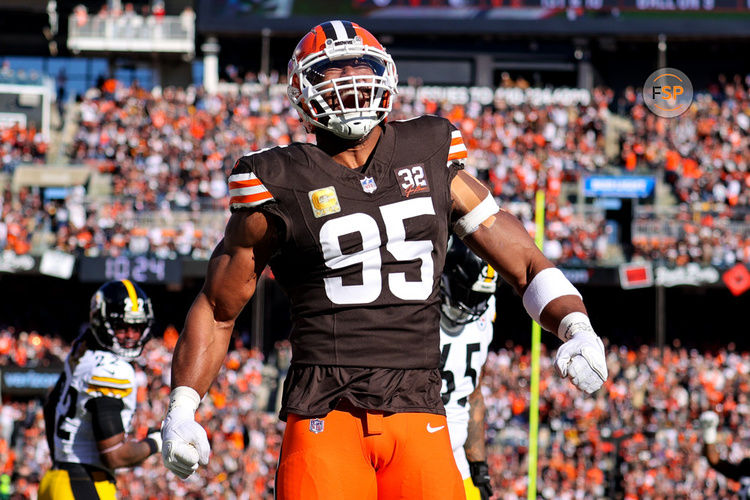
[367, 37]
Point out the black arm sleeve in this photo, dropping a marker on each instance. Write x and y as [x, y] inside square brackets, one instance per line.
[733, 471]
[105, 416]
[50, 410]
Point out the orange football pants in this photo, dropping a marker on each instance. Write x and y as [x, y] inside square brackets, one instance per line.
[356, 454]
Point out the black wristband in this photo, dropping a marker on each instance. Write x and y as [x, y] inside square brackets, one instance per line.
[152, 445]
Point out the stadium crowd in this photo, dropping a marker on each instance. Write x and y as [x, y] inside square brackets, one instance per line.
[169, 151]
[21, 145]
[705, 155]
[637, 438]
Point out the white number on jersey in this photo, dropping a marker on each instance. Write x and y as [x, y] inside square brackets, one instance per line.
[393, 216]
[450, 377]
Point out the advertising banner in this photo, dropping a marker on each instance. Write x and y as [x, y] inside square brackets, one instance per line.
[20, 381]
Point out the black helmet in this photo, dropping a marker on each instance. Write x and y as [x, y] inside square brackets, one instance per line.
[467, 284]
[118, 304]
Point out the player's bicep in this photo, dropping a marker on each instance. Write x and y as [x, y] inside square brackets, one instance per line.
[466, 193]
[237, 261]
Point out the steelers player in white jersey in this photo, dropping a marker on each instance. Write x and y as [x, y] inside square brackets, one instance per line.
[89, 412]
[467, 313]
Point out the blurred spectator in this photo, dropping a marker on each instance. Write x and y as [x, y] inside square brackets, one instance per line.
[81, 14]
[21, 145]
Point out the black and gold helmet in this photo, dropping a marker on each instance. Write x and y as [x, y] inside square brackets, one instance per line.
[467, 284]
[118, 305]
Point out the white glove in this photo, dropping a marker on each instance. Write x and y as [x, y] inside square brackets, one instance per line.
[709, 423]
[155, 434]
[581, 357]
[185, 441]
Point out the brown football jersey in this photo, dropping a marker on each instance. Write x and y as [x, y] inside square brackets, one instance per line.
[360, 257]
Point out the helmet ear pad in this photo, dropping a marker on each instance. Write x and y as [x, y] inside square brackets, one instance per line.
[116, 305]
[466, 285]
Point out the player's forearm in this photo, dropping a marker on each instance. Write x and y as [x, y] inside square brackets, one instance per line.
[502, 241]
[201, 347]
[557, 310]
[548, 296]
[128, 453]
[475, 446]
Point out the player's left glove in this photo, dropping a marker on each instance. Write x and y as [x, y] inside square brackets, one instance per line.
[581, 357]
[480, 476]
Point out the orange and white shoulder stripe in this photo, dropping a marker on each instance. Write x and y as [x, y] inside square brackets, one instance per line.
[246, 190]
[457, 152]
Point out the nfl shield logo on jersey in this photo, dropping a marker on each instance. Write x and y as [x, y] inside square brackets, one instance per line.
[316, 425]
[368, 184]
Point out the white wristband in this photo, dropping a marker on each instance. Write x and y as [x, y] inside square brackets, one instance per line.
[471, 221]
[573, 323]
[184, 396]
[546, 286]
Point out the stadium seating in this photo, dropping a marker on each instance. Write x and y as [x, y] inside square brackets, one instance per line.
[167, 153]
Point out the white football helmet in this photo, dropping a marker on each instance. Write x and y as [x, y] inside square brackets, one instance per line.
[348, 106]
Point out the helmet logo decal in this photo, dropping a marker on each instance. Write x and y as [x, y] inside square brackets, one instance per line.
[134, 312]
[487, 282]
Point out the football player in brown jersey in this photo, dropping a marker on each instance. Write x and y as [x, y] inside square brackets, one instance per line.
[355, 229]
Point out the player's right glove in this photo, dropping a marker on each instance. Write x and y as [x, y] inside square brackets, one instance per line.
[480, 476]
[185, 441]
[709, 423]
